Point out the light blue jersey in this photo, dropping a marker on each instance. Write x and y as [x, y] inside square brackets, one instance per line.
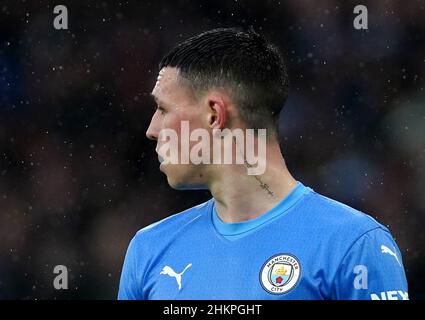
[307, 247]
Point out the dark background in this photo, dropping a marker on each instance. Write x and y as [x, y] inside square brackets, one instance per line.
[78, 177]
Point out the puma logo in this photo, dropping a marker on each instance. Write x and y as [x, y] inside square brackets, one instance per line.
[178, 276]
[385, 249]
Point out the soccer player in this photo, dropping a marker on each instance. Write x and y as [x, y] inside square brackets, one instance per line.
[260, 236]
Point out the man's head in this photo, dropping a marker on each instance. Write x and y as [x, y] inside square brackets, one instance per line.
[223, 78]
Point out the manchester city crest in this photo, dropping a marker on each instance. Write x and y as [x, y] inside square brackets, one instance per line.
[280, 273]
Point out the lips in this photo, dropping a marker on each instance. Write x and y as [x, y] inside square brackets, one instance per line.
[160, 158]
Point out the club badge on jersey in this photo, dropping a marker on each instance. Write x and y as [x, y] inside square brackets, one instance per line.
[280, 273]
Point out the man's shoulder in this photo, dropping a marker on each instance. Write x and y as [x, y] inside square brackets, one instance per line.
[340, 217]
[173, 223]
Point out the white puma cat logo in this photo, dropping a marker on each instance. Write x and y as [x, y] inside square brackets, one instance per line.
[168, 271]
[385, 249]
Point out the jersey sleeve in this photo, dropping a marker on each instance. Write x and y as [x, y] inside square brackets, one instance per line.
[372, 269]
[130, 287]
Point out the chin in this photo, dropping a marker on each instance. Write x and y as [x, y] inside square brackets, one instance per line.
[186, 185]
[184, 180]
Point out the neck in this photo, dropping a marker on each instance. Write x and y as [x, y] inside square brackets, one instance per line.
[231, 187]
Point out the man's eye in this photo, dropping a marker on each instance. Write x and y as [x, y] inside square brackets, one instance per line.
[161, 110]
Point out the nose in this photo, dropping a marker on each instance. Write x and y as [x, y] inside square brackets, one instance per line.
[153, 129]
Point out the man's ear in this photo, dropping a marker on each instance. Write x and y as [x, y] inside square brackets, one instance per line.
[217, 111]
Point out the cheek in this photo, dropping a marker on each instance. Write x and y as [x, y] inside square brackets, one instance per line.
[171, 121]
[189, 115]
[174, 121]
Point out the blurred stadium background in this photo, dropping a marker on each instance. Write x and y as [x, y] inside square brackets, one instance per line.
[78, 177]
